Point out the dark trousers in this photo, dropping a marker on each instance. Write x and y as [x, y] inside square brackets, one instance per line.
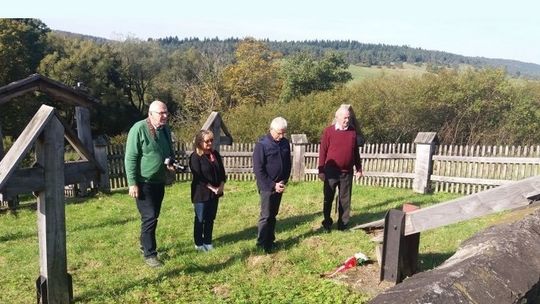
[149, 205]
[203, 222]
[343, 181]
[270, 202]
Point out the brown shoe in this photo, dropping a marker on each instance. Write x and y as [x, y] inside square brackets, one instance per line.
[153, 262]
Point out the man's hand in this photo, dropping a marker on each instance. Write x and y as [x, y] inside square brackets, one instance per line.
[321, 176]
[358, 174]
[134, 191]
[279, 187]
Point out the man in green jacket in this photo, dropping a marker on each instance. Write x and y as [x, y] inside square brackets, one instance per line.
[148, 146]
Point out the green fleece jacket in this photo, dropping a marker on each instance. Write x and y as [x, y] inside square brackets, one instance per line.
[145, 155]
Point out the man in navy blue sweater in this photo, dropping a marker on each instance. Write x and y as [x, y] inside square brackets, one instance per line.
[272, 168]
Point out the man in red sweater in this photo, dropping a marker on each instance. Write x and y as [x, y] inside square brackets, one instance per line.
[338, 155]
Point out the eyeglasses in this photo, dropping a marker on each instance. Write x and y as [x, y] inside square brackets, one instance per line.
[209, 140]
[161, 113]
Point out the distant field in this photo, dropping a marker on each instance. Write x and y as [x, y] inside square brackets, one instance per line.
[360, 73]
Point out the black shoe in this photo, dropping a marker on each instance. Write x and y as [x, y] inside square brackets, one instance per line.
[327, 227]
[342, 227]
[266, 249]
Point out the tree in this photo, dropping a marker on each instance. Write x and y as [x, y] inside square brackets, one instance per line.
[22, 46]
[140, 63]
[253, 77]
[302, 74]
[95, 66]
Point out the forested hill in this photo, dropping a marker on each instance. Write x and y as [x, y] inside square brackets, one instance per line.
[366, 54]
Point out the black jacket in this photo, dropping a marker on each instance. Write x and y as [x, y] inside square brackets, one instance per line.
[205, 172]
[271, 162]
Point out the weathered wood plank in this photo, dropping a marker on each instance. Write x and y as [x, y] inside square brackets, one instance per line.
[498, 265]
[51, 214]
[24, 142]
[467, 180]
[501, 198]
[29, 180]
[499, 160]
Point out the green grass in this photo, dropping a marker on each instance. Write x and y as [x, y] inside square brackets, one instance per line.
[104, 260]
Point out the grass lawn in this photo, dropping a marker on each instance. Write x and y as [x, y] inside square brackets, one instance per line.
[104, 259]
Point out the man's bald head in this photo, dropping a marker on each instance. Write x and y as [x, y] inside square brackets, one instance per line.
[158, 114]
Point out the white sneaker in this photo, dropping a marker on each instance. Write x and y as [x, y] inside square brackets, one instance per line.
[200, 248]
[208, 247]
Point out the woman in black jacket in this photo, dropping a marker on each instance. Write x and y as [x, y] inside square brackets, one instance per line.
[206, 187]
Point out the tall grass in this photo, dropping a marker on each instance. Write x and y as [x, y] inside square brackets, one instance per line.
[104, 260]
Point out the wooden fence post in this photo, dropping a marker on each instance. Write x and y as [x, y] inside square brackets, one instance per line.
[423, 166]
[54, 283]
[2, 153]
[299, 142]
[82, 117]
[100, 153]
[13, 202]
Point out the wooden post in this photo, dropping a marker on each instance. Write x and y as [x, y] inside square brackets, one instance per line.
[12, 202]
[394, 227]
[82, 117]
[411, 246]
[54, 283]
[423, 167]
[299, 142]
[2, 152]
[215, 124]
[216, 129]
[100, 153]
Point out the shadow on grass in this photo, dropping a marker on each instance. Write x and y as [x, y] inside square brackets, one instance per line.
[394, 203]
[427, 261]
[250, 233]
[192, 268]
[19, 236]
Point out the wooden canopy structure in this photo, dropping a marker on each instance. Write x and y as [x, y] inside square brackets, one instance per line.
[77, 97]
[55, 89]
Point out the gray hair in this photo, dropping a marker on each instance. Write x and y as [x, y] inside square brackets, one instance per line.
[278, 123]
[343, 109]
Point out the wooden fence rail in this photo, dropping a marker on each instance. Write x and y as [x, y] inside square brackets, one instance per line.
[461, 169]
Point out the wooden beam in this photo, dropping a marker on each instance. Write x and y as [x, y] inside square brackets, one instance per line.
[78, 146]
[18, 88]
[55, 89]
[24, 142]
[505, 197]
[51, 218]
[32, 179]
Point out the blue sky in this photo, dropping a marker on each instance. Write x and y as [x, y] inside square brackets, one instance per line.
[493, 29]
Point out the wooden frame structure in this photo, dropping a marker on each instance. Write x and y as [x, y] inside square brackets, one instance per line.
[60, 92]
[215, 123]
[400, 252]
[46, 179]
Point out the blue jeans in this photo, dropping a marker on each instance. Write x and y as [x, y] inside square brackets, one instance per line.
[149, 205]
[203, 222]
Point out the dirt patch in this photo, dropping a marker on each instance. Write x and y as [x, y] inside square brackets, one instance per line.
[364, 279]
[221, 290]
